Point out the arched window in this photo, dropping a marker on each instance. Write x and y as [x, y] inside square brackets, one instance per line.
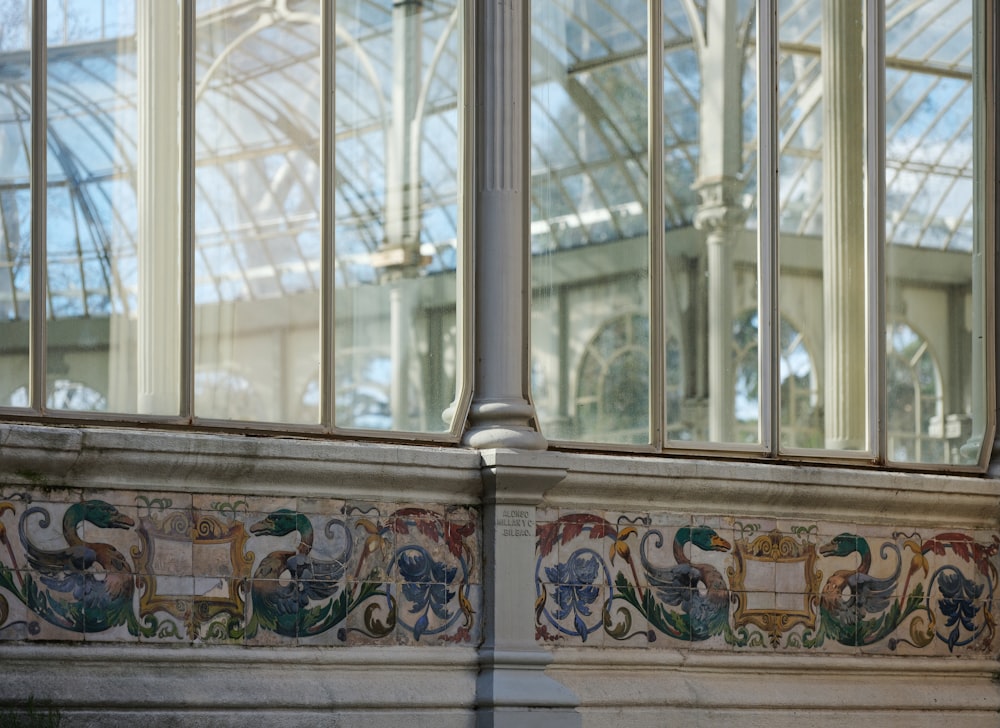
[613, 385]
[916, 429]
[801, 423]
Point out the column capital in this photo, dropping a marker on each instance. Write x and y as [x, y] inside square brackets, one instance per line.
[721, 204]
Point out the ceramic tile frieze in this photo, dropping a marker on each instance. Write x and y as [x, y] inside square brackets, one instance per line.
[177, 568]
[656, 580]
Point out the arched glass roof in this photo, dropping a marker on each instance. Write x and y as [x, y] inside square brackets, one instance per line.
[259, 92]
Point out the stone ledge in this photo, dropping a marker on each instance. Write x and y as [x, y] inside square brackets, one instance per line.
[770, 490]
[76, 457]
[113, 678]
[900, 690]
[63, 457]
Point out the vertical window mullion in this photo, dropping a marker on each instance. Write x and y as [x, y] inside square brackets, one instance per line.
[767, 170]
[39, 265]
[986, 17]
[875, 221]
[326, 215]
[657, 262]
[187, 207]
[457, 412]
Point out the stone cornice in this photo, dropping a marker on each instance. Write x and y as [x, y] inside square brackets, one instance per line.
[705, 487]
[74, 457]
[812, 685]
[513, 476]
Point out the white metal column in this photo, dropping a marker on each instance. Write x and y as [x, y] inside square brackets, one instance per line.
[158, 172]
[39, 141]
[844, 257]
[501, 415]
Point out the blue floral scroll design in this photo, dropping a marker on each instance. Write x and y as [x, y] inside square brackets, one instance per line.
[575, 586]
[429, 590]
[961, 606]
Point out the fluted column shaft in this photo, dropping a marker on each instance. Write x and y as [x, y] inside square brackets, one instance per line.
[844, 224]
[512, 689]
[158, 243]
[501, 413]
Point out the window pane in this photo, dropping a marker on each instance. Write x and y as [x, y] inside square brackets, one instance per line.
[934, 152]
[397, 223]
[712, 291]
[589, 220]
[112, 213]
[15, 200]
[257, 220]
[822, 284]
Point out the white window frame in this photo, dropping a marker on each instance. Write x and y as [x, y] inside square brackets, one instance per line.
[768, 240]
[767, 64]
[187, 417]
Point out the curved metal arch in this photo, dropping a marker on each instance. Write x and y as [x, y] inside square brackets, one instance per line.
[605, 364]
[82, 191]
[583, 166]
[926, 344]
[921, 29]
[695, 16]
[911, 364]
[270, 18]
[592, 112]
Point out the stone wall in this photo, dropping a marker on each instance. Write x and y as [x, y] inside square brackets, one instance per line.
[179, 579]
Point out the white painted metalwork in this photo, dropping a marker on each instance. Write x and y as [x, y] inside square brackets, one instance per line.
[599, 191]
[657, 255]
[768, 222]
[328, 163]
[875, 219]
[38, 346]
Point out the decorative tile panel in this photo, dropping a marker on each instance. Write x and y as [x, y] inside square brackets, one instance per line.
[125, 566]
[727, 583]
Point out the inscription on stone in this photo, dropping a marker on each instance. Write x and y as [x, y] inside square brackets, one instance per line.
[515, 523]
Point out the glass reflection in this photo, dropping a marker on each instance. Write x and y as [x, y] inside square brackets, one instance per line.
[257, 226]
[15, 201]
[822, 189]
[112, 239]
[589, 220]
[933, 227]
[397, 223]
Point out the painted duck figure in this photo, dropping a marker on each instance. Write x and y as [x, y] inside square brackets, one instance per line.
[91, 584]
[698, 589]
[286, 582]
[851, 595]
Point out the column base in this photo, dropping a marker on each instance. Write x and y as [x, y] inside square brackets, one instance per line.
[503, 424]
